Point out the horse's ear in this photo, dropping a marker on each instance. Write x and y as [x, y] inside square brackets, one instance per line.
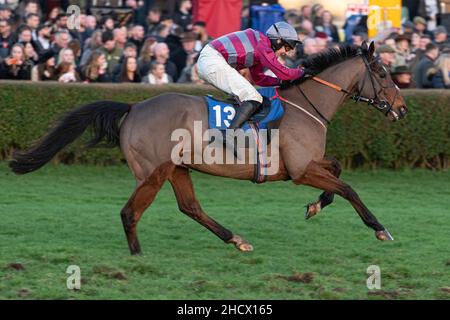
[364, 45]
[371, 49]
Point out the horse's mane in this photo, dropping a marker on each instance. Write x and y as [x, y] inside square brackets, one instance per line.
[317, 63]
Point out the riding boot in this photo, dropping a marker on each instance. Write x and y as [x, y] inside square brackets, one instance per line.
[243, 113]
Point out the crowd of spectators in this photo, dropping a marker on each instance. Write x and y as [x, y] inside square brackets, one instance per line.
[417, 54]
[151, 47]
[154, 47]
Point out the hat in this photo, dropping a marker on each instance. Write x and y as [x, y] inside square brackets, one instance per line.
[445, 50]
[400, 70]
[408, 25]
[4, 7]
[419, 20]
[402, 37]
[440, 29]
[188, 36]
[385, 49]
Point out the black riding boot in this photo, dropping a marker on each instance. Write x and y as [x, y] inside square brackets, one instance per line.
[243, 113]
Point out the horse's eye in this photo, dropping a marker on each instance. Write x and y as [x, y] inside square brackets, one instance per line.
[383, 74]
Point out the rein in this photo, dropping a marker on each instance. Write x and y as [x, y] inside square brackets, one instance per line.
[382, 105]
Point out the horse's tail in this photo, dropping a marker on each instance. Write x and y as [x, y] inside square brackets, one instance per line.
[103, 116]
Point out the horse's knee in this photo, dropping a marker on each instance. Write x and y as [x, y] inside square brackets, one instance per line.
[193, 210]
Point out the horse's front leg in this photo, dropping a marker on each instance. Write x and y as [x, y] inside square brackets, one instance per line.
[313, 208]
[319, 177]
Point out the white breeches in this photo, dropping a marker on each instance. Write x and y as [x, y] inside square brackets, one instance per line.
[214, 69]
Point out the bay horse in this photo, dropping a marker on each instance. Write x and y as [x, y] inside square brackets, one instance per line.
[143, 131]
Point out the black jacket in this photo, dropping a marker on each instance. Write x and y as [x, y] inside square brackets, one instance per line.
[422, 79]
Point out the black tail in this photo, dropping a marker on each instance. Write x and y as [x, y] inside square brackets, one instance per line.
[104, 116]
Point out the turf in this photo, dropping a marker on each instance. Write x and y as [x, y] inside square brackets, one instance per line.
[69, 215]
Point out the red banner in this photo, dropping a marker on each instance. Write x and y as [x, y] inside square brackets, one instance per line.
[221, 16]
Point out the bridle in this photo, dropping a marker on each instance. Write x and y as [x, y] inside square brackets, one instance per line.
[381, 105]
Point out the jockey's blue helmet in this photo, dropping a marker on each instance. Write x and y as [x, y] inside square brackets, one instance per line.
[282, 33]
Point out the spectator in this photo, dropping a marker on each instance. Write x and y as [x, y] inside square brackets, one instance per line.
[161, 53]
[129, 51]
[183, 16]
[66, 55]
[43, 37]
[245, 18]
[422, 76]
[420, 25]
[408, 27]
[403, 52]
[61, 22]
[30, 53]
[32, 6]
[386, 54]
[92, 44]
[62, 39]
[129, 71]
[5, 12]
[33, 21]
[328, 27]
[199, 28]
[146, 55]
[111, 51]
[24, 34]
[46, 70]
[424, 40]
[15, 67]
[305, 12]
[90, 26]
[359, 37]
[75, 46]
[137, 36]
[107, 23]
[153, 20]
[6, 39]
[316, 14]
[96, 68]
[307, 28]
[440, 37]
[53, 14]
[157, 74]
[183, 48]
[402, 77]
[190, 72]
[441, 77]
[65, 73]
[120, 36]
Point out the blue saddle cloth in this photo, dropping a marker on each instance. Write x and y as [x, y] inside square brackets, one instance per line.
[221, 113]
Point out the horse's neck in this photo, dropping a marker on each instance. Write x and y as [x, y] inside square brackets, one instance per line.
[325, 99]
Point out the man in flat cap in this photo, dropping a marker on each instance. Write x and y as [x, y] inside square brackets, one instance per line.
[386, 54]
[440, 37]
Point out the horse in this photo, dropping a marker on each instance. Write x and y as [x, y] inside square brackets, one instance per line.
[143, 132]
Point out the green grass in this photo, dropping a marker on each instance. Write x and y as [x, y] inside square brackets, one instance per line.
[69, 215]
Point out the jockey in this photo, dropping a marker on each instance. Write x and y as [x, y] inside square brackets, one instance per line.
[221, 58]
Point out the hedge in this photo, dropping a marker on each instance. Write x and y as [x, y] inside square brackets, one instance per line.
[358, 136]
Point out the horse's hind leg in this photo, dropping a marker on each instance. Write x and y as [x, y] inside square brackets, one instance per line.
[313, 208]
[318, 177]
[140, 200]
[188, 204]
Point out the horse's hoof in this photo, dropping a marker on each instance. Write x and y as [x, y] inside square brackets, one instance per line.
[312, 209]
[384, 235]
[241, 244]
